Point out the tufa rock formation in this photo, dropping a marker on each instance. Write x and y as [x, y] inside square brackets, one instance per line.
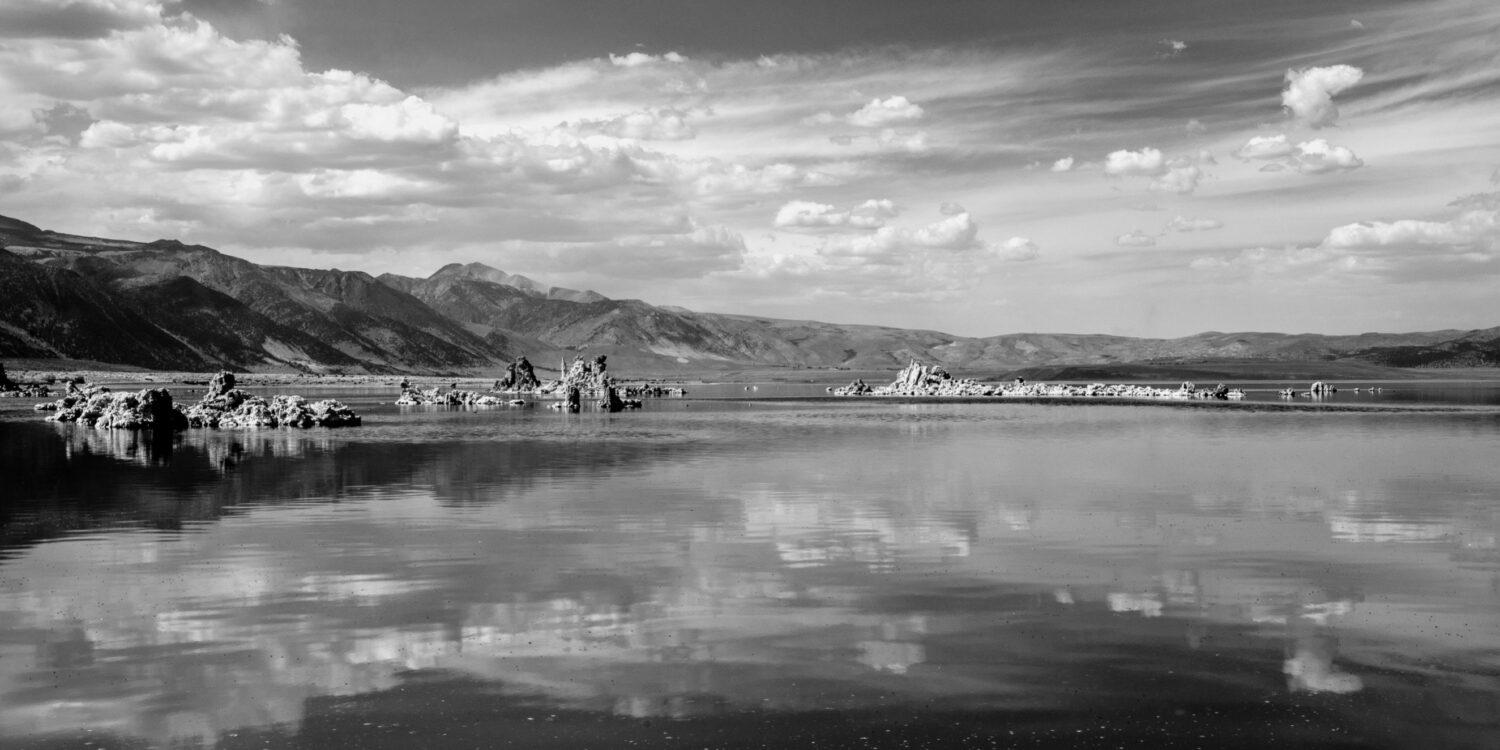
[103, 409]
[225, 406]
[519, 377]
[921, 380]
[454, 397]
[588, 376]
[222, 406]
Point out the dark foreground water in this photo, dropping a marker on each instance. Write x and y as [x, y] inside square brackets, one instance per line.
[730, 574]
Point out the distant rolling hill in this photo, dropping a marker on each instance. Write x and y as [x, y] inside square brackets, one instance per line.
[167, 305]
[1473, 349]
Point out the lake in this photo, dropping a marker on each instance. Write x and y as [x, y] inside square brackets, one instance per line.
[716, 572]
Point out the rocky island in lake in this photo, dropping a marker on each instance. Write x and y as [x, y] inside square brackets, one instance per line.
[932, 380]
[223, 406]
[584, 379]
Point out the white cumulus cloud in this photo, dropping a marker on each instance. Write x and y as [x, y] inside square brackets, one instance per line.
[1135, 238]
[1265, 147]
[1465, 246]
[954, 235]
[636, 59]
[1146, 162]
[882, 112]
[870, 214]
[663, 124]
[1309, 93]
[809, 214]
[1016, 250]
[1192, 224]
[1319, 157]
[1179, 180]
[956, 232]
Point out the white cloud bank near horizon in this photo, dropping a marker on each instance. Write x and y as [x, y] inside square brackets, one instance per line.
[811, 185]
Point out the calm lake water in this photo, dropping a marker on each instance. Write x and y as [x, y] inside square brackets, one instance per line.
[759, 573]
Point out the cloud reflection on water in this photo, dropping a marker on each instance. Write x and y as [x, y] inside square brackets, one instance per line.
[874, 562]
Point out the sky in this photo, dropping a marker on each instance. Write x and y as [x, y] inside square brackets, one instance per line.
[1133, 167]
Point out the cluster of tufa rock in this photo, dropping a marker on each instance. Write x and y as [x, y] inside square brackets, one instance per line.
[922, 380]
[104, 409]
[438, 397]
[224, 406]
[588, 376]
[585, 378]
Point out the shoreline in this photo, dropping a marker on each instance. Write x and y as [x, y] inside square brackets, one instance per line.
[22, 370]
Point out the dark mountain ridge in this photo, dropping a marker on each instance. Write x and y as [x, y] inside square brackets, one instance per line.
[170, 305]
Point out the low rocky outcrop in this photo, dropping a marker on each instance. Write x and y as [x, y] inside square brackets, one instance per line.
[236, 408]
[856, 388]
[454, 397]
[225, 406]
[924, 380]
[583, 379]
[222, 406]
[639, 390]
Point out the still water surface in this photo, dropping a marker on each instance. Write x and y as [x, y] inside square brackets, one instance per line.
[758, 573]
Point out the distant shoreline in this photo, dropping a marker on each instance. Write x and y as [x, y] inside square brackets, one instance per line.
[1231, 372]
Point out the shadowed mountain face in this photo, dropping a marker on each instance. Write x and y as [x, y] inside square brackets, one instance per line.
[225, 311]
[167, 305]
[50, 312]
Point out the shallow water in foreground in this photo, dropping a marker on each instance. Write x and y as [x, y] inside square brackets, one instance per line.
[758, 573]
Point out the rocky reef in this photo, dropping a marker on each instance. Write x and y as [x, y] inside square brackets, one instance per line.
[924, 380]
[223, 406]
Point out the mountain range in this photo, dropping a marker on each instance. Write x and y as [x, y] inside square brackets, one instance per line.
[171, 306]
